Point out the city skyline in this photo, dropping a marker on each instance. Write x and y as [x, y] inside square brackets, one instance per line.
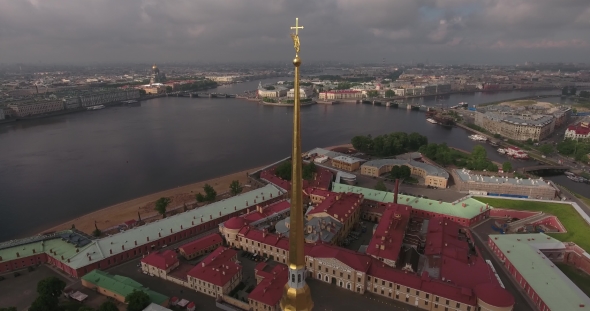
[458, 31]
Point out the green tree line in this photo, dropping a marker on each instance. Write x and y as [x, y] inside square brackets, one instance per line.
[389, 144]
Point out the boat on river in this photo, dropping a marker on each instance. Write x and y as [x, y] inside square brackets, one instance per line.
[431, 121]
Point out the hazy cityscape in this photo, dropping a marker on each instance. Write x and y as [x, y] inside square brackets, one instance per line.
[267, 156]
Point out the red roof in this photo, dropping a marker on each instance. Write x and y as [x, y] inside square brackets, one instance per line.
[161, 260]
[322, 179]
[355, 260]
[235, 223]
[389, 234]
[218, 268]
[319, 192]
[339, 206]
[270, 290]
[380, 270]
[200, 244]
[266, 238]
[263, 212]
[579, 129]
[494, 295]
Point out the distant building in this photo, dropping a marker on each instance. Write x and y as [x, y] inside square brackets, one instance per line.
[517, 127]
[578, 131]
[433, 175]
[304, 92]
[341, 94]
[156, 76]
[35, 107]
[387, 239]
[466, 181]
[153, 89]
[223, 79]
[277, 92]
[107, 97]
[118, 287]
[2, 116]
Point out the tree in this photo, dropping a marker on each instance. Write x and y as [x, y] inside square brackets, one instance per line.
[8, 309]
[529, 141]
[404, 172]
[200, 197]
[51, 286]
[96, 232]
[161, 206]
[210, 193]
[507, 167]
[284, 170]
[389, 93]
[546, 149]
[86, 308]
[137, 301]
[585, 94]
[235, 187]
[142, 92]
[108, 306]
[168, 89]
[372, 93]
[380, 186]
[308, 170]
[45, 303]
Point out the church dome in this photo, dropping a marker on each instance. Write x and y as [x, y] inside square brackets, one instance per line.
[154, 67]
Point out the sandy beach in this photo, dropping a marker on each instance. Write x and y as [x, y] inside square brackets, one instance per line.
[119, 213]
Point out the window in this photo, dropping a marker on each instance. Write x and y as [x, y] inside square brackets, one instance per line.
[447, 302]
[417, 292]
[426, 302]
[341, 274]
[397, 287]
[436, 299]
[407, 299]
[293, 278]
[408, 290]
[299, 278]
[427, 296]
[458, 305]
[468, 308]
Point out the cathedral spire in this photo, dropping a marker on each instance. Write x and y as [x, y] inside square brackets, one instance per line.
[297, 295]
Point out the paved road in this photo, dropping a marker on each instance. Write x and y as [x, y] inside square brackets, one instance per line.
[522, 302]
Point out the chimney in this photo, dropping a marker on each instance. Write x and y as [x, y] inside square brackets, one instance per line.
[271, 195]
[33, 251]
[396, 191]
[148, 238]
[89, 258]
[192, 223]
[17, 254]
[68, 259]
[160, 234]
[123, 247]
[135, 242]
[180, 227]
[110, 251]
[170, 230]
[210, 216]
[62, 257]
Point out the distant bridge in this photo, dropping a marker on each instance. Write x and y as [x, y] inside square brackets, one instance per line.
[545, 169]
[198, 94]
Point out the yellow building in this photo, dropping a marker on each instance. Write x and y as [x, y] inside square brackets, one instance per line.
[433, 175]
[217, 274]
[341, 94]
[346, 163]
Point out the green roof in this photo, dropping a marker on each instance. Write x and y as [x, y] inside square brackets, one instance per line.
[556, 290]
[56, 247]
[121, 285]
[471, 209]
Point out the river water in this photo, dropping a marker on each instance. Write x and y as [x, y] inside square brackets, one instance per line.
[59, 168]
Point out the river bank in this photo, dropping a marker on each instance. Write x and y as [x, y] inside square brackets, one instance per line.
[119, 213]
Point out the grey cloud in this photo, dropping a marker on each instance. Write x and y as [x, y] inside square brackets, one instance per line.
[257, 30]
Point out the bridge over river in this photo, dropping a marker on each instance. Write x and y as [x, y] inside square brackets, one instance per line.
[199, 94]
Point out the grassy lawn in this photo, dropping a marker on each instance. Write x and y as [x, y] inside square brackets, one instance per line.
[578, 231]
[580, 278]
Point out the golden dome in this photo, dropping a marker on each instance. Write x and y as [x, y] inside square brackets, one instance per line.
[154, 67]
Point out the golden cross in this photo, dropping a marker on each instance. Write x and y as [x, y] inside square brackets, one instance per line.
[297, 27]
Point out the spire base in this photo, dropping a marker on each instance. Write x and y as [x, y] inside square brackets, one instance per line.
[296, 299]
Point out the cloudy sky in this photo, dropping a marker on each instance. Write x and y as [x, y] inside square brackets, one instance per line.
[445, 31]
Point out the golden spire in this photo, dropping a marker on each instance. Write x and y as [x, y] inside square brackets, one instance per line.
[297, 296]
